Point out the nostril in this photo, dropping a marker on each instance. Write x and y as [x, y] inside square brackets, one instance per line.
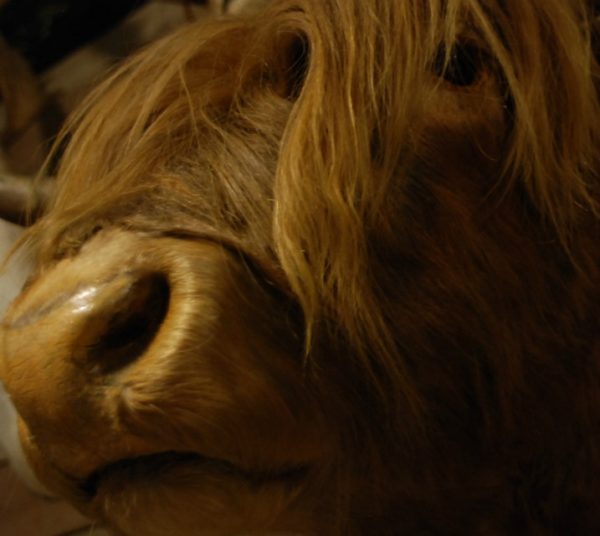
[132, 325]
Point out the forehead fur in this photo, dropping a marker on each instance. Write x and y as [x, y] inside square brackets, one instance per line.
[367, 62]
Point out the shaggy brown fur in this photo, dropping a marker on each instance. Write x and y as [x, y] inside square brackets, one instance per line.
[413, 186]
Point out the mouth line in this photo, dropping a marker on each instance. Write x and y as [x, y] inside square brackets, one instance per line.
[152, 466]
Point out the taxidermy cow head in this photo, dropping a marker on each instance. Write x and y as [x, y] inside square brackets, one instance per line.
[332, 269]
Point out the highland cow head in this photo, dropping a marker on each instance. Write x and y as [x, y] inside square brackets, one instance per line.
[329, 270]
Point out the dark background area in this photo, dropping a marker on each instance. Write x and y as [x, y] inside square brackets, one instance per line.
[45, 31]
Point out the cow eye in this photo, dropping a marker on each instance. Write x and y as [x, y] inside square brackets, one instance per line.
[462, 67]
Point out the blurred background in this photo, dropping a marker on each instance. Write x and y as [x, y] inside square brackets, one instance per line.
[53, 51]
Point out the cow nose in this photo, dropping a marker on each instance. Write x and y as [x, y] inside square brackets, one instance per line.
[88, 326]
[89, 316]
[71, 339]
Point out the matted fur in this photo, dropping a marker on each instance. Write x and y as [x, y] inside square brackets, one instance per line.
[439, 238]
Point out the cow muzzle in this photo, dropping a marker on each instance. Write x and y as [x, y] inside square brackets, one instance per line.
[74, 336]
[154, 349]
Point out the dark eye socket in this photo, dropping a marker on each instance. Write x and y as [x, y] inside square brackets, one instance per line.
[463, 66]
